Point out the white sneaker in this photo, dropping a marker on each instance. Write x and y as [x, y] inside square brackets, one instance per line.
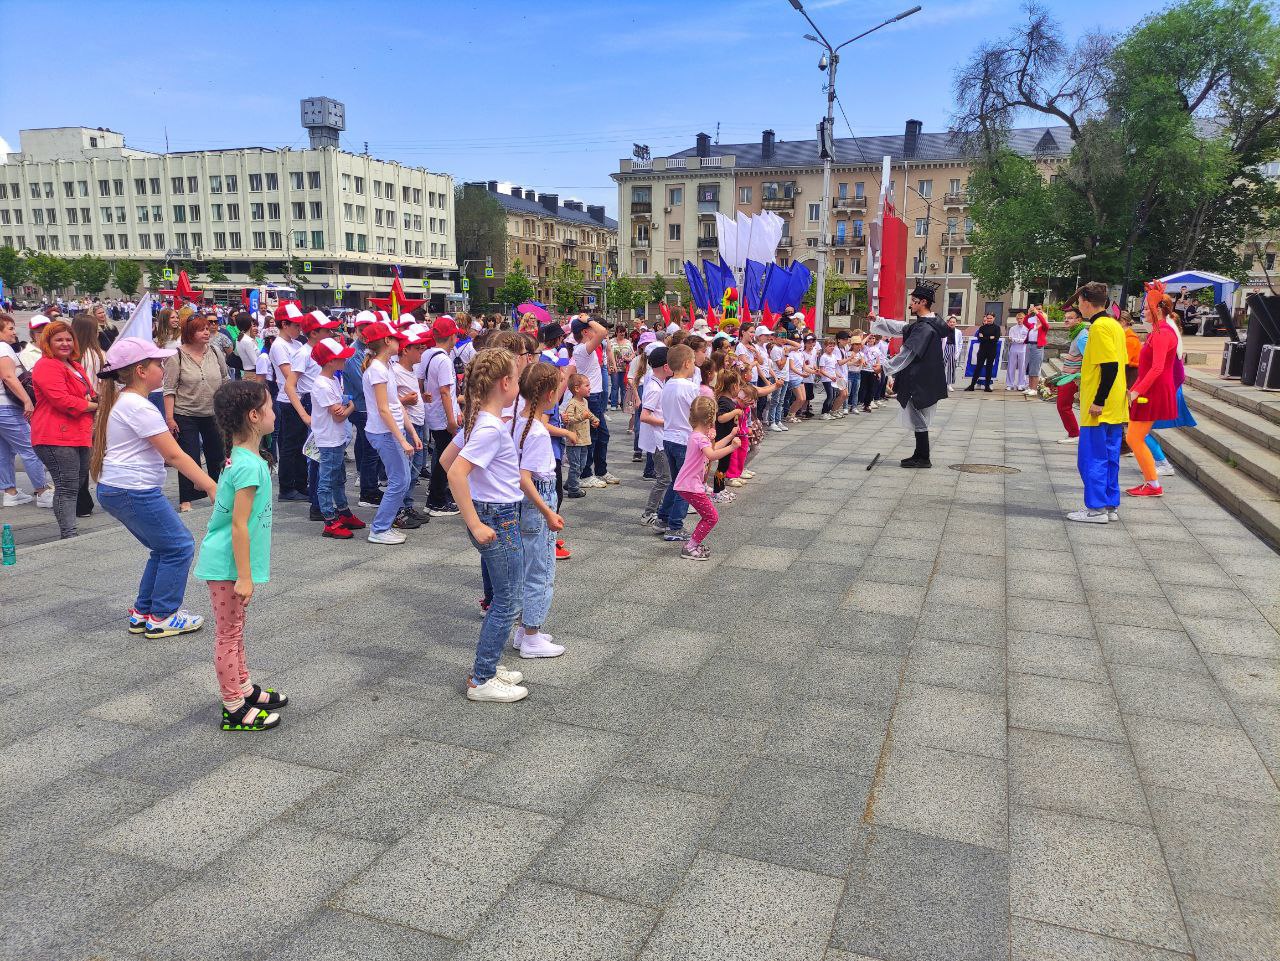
[389, 536]
[608, 478]
[647, 518]
[595, 483]
[179, 622]
[1088, 517]
[1113, 515]
[496, 690]
[507, 676]
[21, 497]
[783, 427]
[824, 417]
[1068, 440]
[539, 645]
[1165, 469]
[1031, 393]
[736, 482]
[875, 405]
[748, 474]
[776, 428]
[45, 500]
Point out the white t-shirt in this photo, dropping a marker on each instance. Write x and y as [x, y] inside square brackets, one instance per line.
[282, 352]
[795, 364]
[131, 461]
[307, 369]
[588, 364]
[378, 373]
[492, 453]
[650, 437]
[811, 358]
[465, 352]
[678, 394]
[5, 399]
[829, 364]
[247, 350]
[437, 373]
[747, 354]
[407, 383]
[536, 456]
[262, 366]
[328, 431]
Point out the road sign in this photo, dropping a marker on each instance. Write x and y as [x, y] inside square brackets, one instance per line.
[466, 283]
[306, 266]
[337, 295]
[168, 273]
[591, 301]
[599, 270]
[488, 272]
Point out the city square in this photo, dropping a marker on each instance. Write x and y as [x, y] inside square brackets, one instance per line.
[545, 534]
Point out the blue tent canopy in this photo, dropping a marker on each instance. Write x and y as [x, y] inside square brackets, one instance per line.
[1224, 288]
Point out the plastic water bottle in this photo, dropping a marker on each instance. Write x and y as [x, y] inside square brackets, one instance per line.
[10, 549]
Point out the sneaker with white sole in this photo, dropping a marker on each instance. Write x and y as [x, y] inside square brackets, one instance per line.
[389, 536]
[1088, 517]
[179, 622]
[647, 518]
[675, 537]
[14, 500]
[609, 479]
[137, 621]
[45, 500]
[508, 676]
[497, 691]
[1112, 515]
[594, 483]
[736, 482]
[1165, 469]
[1031, 393]
[825, 417]
[539, 645]
[783, 427]
[1068, 440]
[776, 428]
[448, 510]
[748, 474]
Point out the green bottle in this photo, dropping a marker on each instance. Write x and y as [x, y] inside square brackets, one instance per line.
[10, 549]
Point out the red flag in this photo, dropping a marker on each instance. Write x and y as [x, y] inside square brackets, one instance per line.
[745, 319]
[689, 316]
[666, 313]
[767, 318]
[712, 320]
[808, 313]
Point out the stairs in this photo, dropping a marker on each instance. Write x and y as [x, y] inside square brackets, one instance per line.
[1234, 451]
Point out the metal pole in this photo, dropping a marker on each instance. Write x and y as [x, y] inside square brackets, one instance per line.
[820, 302]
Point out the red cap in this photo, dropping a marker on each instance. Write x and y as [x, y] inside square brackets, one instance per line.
[443, 326]
[331, 348]
[375, 332]
[318, 320]
[288, 313]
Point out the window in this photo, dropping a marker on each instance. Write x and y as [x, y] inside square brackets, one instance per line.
[180, 241]
[926, 188]
[4, 195]
[744, 195]
[259, 236]
[139, 185]
[359, 214]
[273, 182]
[155, 184]
[35, 191]
[839, 266]
[968, 225]
[841, 228]
[42, 242]
[73, 215]
[431, 198]
[954, 186]
[673, 231]
[157, 213]
[273, 211]
[193, 213]
[295, 179]
[52, 214]
[859, 189]
[233, 241]
[17, 216]
[197, 240]
[233, 186]
[233, 211]
[122, 241]
[104, 189]
[391, 245]
[277, 240]
[215, 184]
[708, 193]
[842, 191]
[75, 242]
[317, 239]
[4, 219]
[404, 195]
[219, 240]
[441, 223]
[300, 239]
[257, 211]
[108, 242]
[83, 187]
[964, 265]
[144, 241]
[408, 221]
[856, 265]
[349, 241]
[417, 196]
[313, 179]
[362, 244]
[377, 216]
[117, 188]
[360, 190]
[417, 222]
[69, 187]
[642, 233]
[857, 228]
[348, 214]
[1270, 260]
[298, 210]
[641, 195]
[37, 216]
[120, 217]
[143, 213]
[950, 264]
[255, 185]
[176, 184]
[815, 211]
[158, 239]
[317, 210]
[381, 244]
[922, 226]
[179, 214]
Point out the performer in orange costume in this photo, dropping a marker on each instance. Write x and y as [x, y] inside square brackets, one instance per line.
[1153, 396]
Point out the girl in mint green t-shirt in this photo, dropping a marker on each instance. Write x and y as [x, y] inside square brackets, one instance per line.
[236, 552]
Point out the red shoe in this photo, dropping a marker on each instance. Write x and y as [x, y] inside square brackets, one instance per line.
[1146, 490]
[350, 521]
[335, 528]
[484, 605]
[562, 553]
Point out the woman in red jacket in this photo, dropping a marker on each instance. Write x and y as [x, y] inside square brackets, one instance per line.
[1153, 396]
[62, 425]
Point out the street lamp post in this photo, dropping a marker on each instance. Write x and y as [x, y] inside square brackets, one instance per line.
[826, 143]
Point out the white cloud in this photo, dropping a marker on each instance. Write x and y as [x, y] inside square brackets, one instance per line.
[5, 150]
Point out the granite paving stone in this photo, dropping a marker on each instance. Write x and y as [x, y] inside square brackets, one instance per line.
[1149, 647]
[1064, 707]
[1054, 655]
[959, 797]
[1225, 929]
[1076, 775]
[1174, 695]
[969, 667]
[703, 753]
[336, 935]
[1036, 941]
[1208, 760]
[952, 719]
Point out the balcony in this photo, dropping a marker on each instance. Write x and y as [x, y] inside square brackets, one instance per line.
[848, 241]
[956, 238]
[784, 242]
[778, 203]
[708, 207]
[850, 203]
[569, 242]
[955, 199]
[641, 207]
[641, 242]
[708, 242]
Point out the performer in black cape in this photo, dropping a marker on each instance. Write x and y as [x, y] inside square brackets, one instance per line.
[919, 376]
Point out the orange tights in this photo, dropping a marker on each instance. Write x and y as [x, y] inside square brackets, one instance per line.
[1137, 437]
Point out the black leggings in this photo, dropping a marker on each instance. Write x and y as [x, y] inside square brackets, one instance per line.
[197, 436]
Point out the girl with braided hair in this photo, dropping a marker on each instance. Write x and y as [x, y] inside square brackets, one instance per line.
[539, 387]
[235, 555]
[484, 476]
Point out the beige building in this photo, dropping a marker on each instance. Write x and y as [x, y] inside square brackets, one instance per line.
[667, 205]
[77, 190]
[543, 233]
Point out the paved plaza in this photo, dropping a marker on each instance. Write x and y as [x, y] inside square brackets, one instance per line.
[900, 715]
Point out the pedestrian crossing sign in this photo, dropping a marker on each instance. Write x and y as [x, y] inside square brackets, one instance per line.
[466, 283]
[168, 273]
[488, 272]
[306, 266]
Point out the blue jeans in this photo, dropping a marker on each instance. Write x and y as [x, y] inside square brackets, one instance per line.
[417, 462]
[331, 481]
[396, 462]
[366, 456]
[538, 545]
[152, 520]
[503, 564]
[15, 441]
[773, 413]
[674, 507]
[598, 452]
[616, 381]
[577, 457]
[855, 381]
[1098, 459]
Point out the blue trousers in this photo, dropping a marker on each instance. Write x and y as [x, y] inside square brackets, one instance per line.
[152, 520]
[396, 462]
[674, 507]
[855, 382]
[1098, 460]
[598, 453]
[331, 481]
[502, 561]
[538, 546]
[366, 456]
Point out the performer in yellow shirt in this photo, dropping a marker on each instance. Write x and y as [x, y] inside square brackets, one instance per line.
[1104, 411]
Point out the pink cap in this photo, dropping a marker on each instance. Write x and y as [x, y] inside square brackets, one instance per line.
[127, 351]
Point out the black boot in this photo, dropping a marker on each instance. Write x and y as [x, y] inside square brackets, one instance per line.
[921, 456]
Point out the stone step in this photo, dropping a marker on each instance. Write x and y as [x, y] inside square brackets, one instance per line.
[1258, 462]
[1263, 403]
[1239, 420]
[1257, 506]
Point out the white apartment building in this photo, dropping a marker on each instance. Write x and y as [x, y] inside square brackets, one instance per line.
[76, 190]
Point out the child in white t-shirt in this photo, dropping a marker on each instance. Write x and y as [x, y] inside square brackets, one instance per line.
[650, 432]
[330, 408]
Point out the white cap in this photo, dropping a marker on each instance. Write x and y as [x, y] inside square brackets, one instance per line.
[672, 327]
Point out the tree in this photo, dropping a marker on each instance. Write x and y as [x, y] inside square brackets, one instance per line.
[216, 273]
[128, 277]
[258, 272]
[13, 267]
[91, 274]
[620, 294]
[567, 286]
[657, 289]
[480, 232]
[516, 286]
[50, 273]
[837, 289]
[681, 284]
[155, 275]
[293, 270]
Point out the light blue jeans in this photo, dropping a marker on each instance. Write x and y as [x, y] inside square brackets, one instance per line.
[503, 563]
[15, 441]
[855, 381]
[152, 520]
[538, 544]
[396, 463]
[331, 481]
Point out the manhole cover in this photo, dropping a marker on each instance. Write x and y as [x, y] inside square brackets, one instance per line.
[985, 469]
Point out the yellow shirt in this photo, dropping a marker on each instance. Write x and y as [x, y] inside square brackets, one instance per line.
[1105, 346]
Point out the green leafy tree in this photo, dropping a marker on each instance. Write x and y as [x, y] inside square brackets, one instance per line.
[91, 274]
[128, 277]
[293, 270]
[657, 289]
[51, 274]
[837, 289]
[621, 294]
[681, 285]
[216, 273]
[516, 286]
[155, 275]
[480, 233]
[258, 272]
[567, 286]
[13, 267]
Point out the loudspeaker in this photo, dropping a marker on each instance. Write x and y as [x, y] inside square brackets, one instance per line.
[1269, 368]
[1232, 360]
[1264, 329]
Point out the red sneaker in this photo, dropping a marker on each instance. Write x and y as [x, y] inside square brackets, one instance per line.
[350, 521]
[1146, 490]
[562, 553]
[335, 528]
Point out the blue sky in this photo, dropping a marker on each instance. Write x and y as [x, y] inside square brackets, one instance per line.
[546, 95]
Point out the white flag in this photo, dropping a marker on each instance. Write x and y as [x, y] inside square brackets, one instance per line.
[727, 232]
[139, 322]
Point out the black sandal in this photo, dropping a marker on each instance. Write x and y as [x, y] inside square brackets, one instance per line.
[274, 700]
[248, 718]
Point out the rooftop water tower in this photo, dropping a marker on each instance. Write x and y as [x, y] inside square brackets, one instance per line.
[325, 119]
